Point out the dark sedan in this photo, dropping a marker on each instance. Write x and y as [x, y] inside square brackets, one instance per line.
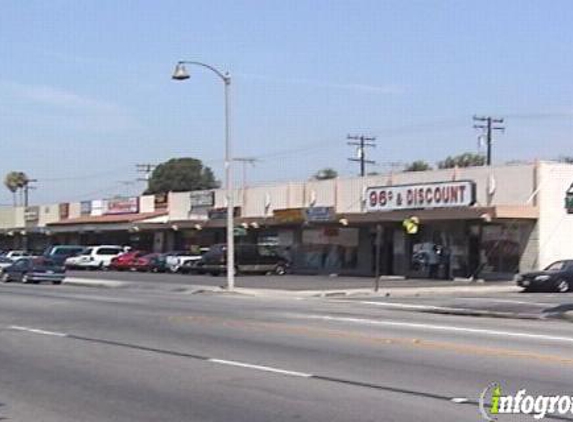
[34, 270]
[556, 277]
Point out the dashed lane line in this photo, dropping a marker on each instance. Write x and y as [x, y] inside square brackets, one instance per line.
[245, 365]
[37, 331]
[261, 368]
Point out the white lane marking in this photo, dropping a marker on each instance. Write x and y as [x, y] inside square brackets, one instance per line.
[37, 331]
[260, 368]
[459, 400]
[442, 328]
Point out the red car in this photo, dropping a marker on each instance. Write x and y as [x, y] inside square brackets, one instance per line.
[153, 262]
[125, 262]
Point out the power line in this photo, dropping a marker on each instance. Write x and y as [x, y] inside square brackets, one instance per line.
[245, 161]
[363, 142]
[488, 124]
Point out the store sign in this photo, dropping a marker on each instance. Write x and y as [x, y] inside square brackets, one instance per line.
[331, 236]
[121, 205]
[161, 201]
[221, 213]
[85, 207]
[64, 210]
[569, 200]
[319, 214]
[202, 199]
[31, 215]
[291, 215]
[420, 196]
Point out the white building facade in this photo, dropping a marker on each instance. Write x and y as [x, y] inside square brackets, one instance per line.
[472, 222]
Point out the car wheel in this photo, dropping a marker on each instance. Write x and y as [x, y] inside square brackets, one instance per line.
[214, 273]
[562, 286]
[56, 282]
[6, 278]
[280, 269]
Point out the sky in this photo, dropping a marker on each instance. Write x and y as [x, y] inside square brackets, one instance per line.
[86, 93]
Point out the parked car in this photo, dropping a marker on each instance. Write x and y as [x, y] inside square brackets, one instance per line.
[5, 262]
[60, 253]
[249, 258]
[184, 261]
[95, 257]
[125, 261]
[556, 277]
[16, 254]
[34, 270]
[153, 262]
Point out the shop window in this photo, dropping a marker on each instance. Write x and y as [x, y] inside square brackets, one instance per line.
[329, 249]
[501, 247]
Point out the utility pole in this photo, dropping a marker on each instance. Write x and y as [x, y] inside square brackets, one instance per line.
[245, 161]
[363, 142]
[27, 188]
[488, 124]
[145, 169]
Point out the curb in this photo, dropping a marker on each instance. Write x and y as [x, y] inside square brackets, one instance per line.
[482, 313]
[88, 282]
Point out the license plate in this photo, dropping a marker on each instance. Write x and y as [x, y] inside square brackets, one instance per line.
[525, 282]
[49, 272]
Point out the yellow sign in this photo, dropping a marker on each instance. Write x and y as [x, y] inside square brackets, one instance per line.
[411, 225]
[290, 215]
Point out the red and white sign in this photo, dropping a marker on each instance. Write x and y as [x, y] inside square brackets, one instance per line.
[121, 205]
[427, 195]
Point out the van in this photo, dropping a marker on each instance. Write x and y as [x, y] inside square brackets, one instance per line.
[95, 257]
[249, 258]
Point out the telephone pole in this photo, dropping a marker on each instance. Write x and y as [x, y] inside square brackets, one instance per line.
[27, 188]
[362, 142]
[245, 161]
[145, 169]
[488, 124]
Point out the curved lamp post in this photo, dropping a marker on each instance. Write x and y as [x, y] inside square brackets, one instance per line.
[180, 74]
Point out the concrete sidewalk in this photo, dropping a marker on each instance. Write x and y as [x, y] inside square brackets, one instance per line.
[327, 287]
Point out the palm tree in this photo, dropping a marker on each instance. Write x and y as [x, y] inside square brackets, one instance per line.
[11, 181]
[14, 181]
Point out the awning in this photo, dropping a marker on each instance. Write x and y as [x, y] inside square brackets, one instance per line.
[113, 222]
[493, 213]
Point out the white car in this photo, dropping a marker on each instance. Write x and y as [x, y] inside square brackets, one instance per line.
[176, 260]
[95, 257]
[5, 262]
[14, 255]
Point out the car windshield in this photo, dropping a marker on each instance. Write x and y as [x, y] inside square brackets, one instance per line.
[558, 266]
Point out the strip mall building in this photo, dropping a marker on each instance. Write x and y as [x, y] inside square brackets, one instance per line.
[486, 221]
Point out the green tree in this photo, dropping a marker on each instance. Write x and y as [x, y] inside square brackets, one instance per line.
[467, 159]
[418, 165]
[181, 175]
[325, 174]
[566, 159]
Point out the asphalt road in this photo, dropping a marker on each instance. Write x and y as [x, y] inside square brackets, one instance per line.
[76, 354]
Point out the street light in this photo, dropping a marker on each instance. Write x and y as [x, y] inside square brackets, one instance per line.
[180, 74]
